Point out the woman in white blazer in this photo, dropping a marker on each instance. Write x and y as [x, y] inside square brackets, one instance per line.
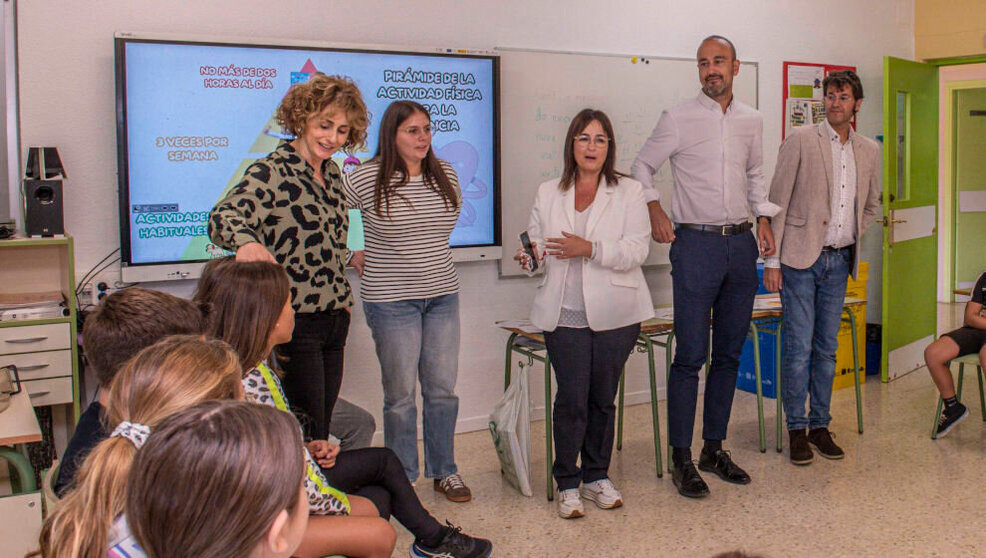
[595, 230]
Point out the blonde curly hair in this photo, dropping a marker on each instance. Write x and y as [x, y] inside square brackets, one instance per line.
[305, 100]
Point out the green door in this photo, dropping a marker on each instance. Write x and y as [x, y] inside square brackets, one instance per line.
[910, 196]
[970, 185]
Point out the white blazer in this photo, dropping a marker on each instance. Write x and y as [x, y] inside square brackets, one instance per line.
[616, 294]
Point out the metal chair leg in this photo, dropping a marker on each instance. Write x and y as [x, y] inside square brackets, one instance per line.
[23, 481]
[655, 419]
[619, 420]
[958, 388]
[667, 383]
[777, 387]
[506, 367]
[855, 362]
[549, 455]
[934, 421]
[982, 397]
[756, 371]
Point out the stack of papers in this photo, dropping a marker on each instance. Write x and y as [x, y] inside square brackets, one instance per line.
[664, 313]
[768, 302]
[27, 306]
[10, 301]
[523, 325]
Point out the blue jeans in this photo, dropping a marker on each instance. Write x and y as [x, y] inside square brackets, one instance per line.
[812, 299]
[717, 275]
[418, 340]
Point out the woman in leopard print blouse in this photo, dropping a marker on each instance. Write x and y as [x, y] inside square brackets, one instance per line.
[289, 209]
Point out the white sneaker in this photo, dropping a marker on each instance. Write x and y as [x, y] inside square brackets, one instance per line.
[570, 504]
[603, 493]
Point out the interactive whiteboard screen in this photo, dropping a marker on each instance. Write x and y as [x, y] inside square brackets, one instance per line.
[193, 116]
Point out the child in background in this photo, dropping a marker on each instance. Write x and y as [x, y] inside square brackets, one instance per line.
[234, 472]
[247, 304]
[124, 323]
[169, 376]
[968, 339]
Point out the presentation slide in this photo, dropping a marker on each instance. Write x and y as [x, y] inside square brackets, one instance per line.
[197, 115]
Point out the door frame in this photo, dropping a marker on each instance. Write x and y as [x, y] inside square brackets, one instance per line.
[951, 79]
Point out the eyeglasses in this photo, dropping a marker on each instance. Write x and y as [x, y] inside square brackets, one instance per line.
[417, 131]
[598, 141]
[831, 97]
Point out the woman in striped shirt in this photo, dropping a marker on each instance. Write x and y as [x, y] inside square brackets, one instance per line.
[410, 201]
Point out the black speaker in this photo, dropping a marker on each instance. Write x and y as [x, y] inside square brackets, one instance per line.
[43, 215]
[43, 163]
[43, 208]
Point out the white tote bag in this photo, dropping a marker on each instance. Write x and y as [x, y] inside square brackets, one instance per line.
[510, 425]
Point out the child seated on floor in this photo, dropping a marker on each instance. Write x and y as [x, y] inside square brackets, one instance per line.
[124, 323]
[234, 485]
[248, 305]
[968, 339]
[170, 376]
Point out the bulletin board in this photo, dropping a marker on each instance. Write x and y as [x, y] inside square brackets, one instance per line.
[803, 96]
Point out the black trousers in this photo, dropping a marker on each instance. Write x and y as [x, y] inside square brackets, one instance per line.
[377, 474]
[313, 363]
[587, 365]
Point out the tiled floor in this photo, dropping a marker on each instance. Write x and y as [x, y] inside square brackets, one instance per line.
[897, 493]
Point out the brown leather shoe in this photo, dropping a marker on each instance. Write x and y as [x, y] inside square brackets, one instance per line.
[800, 452]
[821, 438]
[453, 488]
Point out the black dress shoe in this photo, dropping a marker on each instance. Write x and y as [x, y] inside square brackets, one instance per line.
[688, 482]
[722, 464]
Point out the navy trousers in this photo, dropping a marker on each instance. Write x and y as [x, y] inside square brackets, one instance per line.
[717, 275]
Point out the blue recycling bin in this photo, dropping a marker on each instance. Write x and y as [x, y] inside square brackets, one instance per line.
[746, 379]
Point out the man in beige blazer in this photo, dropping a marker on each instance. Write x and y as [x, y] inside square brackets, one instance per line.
[827, 183]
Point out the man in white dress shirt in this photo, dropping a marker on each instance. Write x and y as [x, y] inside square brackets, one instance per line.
[827, 182]
[714, 143]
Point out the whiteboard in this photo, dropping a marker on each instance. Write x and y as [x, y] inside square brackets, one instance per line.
[542, 90]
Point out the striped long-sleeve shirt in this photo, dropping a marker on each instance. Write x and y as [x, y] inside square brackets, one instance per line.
[407, 250]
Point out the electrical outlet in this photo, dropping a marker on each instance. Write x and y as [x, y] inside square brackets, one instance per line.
[100, 287]
[95, 295]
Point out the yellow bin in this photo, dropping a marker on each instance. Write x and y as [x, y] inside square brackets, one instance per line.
[843, 356]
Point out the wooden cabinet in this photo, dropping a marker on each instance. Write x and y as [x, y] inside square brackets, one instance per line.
[45, 351]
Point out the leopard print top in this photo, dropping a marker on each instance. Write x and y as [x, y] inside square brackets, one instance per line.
[303, 224]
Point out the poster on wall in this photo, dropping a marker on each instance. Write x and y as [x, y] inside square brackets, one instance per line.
[804, 100]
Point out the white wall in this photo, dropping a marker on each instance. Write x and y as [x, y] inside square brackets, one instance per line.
[67, 100]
